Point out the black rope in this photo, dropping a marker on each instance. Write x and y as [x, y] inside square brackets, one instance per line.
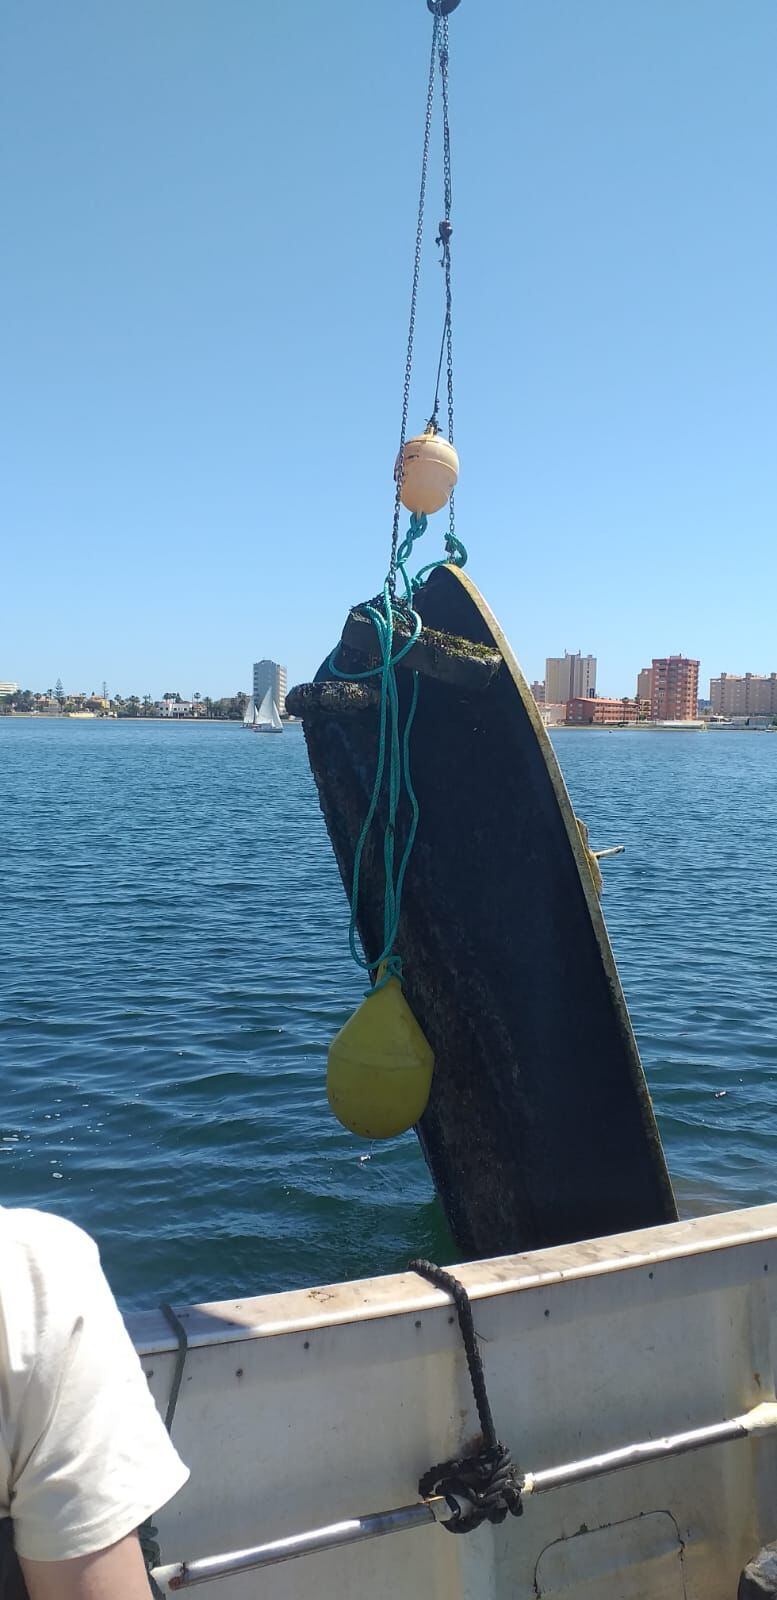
[148, 1533]
[173, 1321]
[487, 1479]
[148, 1537]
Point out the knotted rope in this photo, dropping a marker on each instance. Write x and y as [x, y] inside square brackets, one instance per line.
[488, 1480]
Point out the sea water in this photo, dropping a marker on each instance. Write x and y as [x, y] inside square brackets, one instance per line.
[174, 961]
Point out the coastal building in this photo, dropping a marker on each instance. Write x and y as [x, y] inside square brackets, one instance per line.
[645, 684]
[172, 706]
[269, 675]
[744, 696]
[8, 688]
[595, 711]
[538, 690]
[569, 677]
[553, 715]
[675, 689]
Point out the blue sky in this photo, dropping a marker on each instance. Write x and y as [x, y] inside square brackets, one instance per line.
[208, 210]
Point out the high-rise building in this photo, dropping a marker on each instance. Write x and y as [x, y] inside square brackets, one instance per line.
[538, 690]
[645, 684]
[745, 696]
[269, 675]
[569, 677]
[675, 692]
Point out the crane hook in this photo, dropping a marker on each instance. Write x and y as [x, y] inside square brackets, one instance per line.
[445, 7]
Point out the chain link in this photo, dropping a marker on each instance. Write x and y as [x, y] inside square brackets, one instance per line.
[444, 62]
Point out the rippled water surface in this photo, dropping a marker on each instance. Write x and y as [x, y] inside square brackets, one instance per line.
[173, 963]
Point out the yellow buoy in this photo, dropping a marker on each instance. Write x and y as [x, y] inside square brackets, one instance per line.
[430, 473]
[379, 1073]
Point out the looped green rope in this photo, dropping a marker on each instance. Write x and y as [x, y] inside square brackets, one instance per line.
[455, 556]
[395, 746]
[388, 964]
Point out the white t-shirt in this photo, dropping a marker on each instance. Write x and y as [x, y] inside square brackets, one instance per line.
[84, 1456]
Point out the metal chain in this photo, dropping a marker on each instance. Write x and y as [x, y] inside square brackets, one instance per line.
[444, 61]
[392, 572]
[444, 236]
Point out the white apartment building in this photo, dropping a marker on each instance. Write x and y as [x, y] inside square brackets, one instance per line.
[269, 675]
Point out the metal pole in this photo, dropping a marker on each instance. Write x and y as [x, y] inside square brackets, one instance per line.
[185, 1574]
[762, 1419]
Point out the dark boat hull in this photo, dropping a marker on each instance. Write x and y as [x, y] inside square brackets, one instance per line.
[540, 1128]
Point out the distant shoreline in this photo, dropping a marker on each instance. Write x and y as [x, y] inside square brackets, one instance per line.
[294, 722]
[650, 727]
[210, 722]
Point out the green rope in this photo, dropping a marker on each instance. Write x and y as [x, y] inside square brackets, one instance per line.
[393, 750]
[397, 748]
[455, 555]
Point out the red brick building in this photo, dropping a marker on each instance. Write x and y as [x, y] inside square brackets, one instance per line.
[597, 712]
[645, 685]
[675, 696]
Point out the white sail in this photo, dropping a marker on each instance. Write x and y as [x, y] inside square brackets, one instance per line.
[267, 719]
[264, 714]
[249, 717]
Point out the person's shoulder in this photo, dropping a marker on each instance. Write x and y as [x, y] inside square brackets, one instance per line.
[49, 1274]
[47, 1247]
[46, 1240]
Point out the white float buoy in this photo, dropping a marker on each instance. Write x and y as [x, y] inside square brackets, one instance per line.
[430, 473]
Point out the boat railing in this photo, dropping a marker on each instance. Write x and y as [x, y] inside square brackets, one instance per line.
[761, 1419]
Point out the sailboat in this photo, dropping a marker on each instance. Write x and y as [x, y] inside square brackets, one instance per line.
[267, 718]
[249, 717]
